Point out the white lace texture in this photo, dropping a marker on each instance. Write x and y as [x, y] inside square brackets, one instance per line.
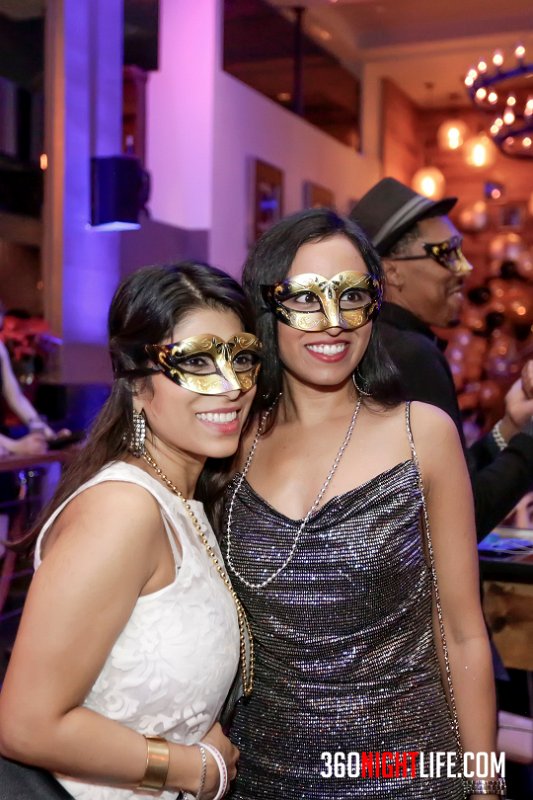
[172, 666]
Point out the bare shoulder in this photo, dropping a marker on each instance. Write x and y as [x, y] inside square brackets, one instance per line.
[117, 498]
[431, 421]
[386, 421]
[437, 443]
[122, 513]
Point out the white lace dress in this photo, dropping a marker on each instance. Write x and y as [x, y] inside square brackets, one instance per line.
[173, 664]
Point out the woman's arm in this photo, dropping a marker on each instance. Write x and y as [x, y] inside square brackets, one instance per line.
[12, 392]
[450, 510]
[106, 549]
[29, 445]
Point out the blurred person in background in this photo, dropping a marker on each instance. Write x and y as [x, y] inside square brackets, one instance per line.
[425, 271]
[35, 441]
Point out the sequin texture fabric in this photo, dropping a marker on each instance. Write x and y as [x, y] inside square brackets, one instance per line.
[345, 654]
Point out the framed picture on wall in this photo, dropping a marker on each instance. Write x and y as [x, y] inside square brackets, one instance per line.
[512, 215]
[267, 197]
[316, 196]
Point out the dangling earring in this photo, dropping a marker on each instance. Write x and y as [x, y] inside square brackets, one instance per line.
[360, 391]
[136, 445]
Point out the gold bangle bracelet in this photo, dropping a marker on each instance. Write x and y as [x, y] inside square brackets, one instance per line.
[157, 764]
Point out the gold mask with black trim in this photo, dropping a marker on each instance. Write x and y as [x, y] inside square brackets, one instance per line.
[448, 254]
[310, 302]
[206, 364]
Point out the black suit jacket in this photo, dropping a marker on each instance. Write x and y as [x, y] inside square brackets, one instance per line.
[499, 479]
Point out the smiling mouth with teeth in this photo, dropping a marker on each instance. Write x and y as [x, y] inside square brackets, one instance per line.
[209, 416]
[327, 349]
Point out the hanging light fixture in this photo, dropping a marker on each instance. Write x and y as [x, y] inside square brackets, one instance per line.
[507, 93]
[479, 151]
[451, 134]
[430, 182]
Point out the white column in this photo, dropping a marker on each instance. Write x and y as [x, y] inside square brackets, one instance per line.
[84, 41]
[180, 114]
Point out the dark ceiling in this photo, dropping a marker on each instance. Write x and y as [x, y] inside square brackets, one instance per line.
[22, 51]
[141, 27]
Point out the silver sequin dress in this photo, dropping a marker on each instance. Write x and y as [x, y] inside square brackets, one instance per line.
[345, 654]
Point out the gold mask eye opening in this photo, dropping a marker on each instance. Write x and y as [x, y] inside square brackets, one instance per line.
[206, 364]
[310, 302]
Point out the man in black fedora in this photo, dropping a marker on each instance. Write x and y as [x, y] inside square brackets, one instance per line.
[425, 271]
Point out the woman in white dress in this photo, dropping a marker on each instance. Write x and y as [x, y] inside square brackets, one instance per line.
[131, 635]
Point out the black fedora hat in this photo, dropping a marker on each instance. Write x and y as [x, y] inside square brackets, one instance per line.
[390, 208]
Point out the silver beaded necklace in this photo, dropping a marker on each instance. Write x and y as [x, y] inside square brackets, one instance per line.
[320, 495]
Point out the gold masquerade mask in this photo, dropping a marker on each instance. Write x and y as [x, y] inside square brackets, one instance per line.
[311, 302]
[206, 364]
[448, 254]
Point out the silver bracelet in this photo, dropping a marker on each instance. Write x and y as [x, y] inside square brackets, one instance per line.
[222, 770]
[486, 786]
[497, 436]
[203, 772]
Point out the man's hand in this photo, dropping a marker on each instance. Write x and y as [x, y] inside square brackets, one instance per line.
[33, 444]
[518, 404]
[527, 379]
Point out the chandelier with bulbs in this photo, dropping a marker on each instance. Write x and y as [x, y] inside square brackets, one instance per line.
[507, 91]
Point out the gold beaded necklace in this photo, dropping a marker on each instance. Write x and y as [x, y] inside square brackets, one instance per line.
[245, 632]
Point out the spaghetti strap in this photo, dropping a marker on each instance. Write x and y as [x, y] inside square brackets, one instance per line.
[410, 434]
[127, 473]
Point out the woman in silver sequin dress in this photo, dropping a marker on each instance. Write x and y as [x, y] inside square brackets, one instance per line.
[334, 568]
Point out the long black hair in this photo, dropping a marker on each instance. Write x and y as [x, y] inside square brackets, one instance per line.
[270, 260]
[145, 309]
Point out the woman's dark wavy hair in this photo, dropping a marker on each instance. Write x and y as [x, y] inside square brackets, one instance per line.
[144, 310]
[270, 260]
